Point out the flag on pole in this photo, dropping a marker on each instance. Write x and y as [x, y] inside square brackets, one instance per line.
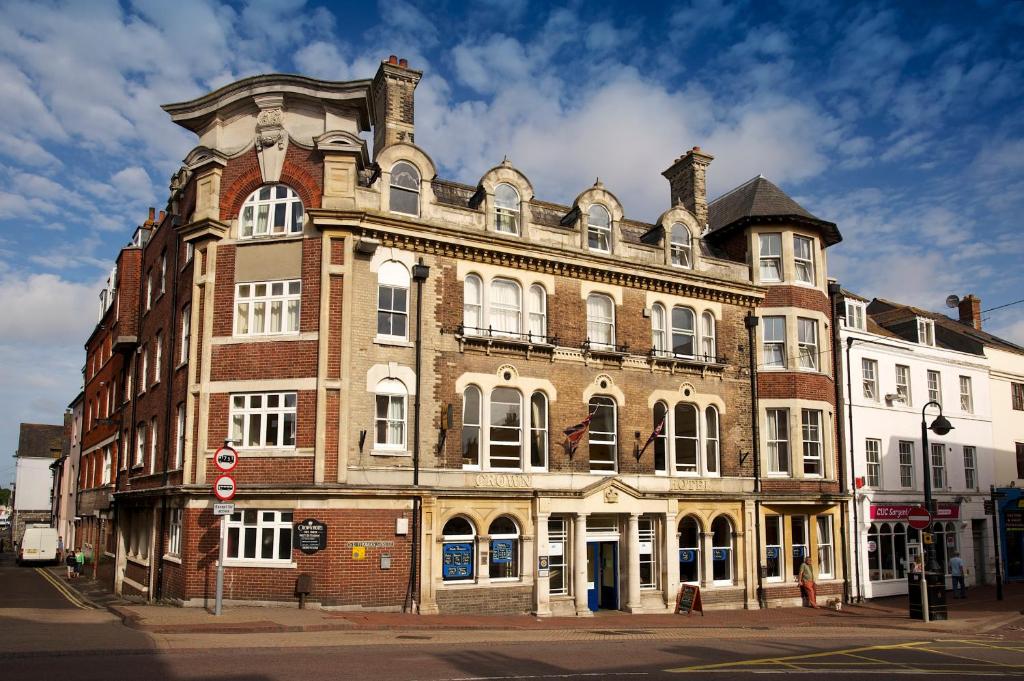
[574, 434]
[656, 434]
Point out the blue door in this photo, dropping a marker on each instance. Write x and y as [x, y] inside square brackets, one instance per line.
[603, 575]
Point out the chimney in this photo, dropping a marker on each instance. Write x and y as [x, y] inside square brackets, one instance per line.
[686, 182]
[970, 311]
[151, 219]
[393, 110]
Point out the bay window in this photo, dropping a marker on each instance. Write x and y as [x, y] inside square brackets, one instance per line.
[771, 257]
[774, 341]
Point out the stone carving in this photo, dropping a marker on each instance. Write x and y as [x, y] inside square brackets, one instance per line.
[611, 496]
[271, 137]
[270, 128]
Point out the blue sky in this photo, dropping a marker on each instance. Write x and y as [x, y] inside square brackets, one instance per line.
[901, 123]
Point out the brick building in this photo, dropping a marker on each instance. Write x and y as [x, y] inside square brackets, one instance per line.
[396, 356]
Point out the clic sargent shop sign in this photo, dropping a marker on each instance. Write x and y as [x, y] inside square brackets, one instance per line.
[901, 512]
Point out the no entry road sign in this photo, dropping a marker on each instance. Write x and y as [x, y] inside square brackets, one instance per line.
[919, 518]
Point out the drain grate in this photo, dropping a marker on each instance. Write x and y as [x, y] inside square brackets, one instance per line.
[414, 638]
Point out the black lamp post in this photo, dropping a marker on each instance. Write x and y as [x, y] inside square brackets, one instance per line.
[940, 426]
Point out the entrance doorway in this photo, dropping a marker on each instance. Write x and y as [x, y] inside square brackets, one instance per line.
[978, 532]
[603, 575]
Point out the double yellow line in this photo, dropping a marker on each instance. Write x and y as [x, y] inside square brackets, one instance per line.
[63, 589]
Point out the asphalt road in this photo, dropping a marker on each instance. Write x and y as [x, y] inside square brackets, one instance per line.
[43, 635]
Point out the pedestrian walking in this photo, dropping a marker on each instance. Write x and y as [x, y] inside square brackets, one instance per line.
[71, 563]
[60, 547]
[79, 563]
[807, 588]
[956, 570]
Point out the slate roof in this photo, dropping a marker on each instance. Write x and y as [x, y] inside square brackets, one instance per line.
[949, 333]
[39, 440]
[758, 200]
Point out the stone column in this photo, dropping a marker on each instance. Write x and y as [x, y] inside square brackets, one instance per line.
[542, 584]
[633, 602]
[706, 564]
[670, 542]
[579, 565]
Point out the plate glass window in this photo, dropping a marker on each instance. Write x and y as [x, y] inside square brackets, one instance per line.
[774, 559]
[798, 528]
[405, 189]
[506, 209]
[803, 259]
[682, 255]
[771, 257]
[774, 342]
[558, 557]
[599, 229]
[272, 210]
[888, 560]
[826, 554]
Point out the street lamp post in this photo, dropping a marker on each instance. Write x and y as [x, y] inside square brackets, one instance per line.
[940, 426]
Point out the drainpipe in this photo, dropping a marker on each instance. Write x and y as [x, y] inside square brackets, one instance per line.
[834, 292]
[420, 272]
[853, 473]
[751, 322]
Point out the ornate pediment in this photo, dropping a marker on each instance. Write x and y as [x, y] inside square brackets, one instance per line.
[271, 137]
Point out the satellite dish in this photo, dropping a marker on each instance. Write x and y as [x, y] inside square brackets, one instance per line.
[952, 301]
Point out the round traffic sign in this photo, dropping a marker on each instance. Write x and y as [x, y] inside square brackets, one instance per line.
[919, 518]
[224, 487]
[226, 458]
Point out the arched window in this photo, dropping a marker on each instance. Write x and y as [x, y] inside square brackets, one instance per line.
[946, 543]
[686, 441]
[393, 300]
[504, 548]
[603, 434]
[539, 430]
[390, 423]
[473, 306]
[405, 189]
[722, 550]
[471, 426]
[682, 255]
[600, 321]
[683, 332]
[538, 313]
[689, 550]
[888, 560]
[506, 209]
[506, 432]
[707, 337]
[711, 441]
[458, 550]
[274, 209]
[599, 229]
[506, 308]
[660, 437]
[659, 330]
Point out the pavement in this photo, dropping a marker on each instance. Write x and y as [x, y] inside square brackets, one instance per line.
[980, 612]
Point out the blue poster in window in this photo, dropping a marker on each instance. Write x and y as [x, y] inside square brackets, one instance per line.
[772, 551]
[799, 551]
[501, 551]
[720, 554]
[457, 561]
[687, 556]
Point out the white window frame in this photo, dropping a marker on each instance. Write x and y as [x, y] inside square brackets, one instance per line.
[538, 311]
[793, 543]
[681, 332]
[248, 300]
[174, 532]
[770, 254]
[659, 330]
[152, 445]
[907, 463]
[257, 207]
[926, 331]
[681, 246]
[826, 546]
[855, 315]
[558, 556]
[712, 442]
[970, 467]
[966, 395]
[107, 465]
[603, 325]
[903, 388]
[869, 378]
[708, 343]
[179, 438]
[186, 333]
[779, 463]
[158, 356]
[473, 306]
[140, 445]
[392, 276]
[605, 438]
[813, 442]
[149, 290]
[731, 555]
[780, 537]
[506, 209]
[144, 373]
[510, 315]
[934, 384]
[807, 343]
[598, 232]
[245, 412]
[803, 265]
[688, 441]
[472, 422]
[390, 392]
[539, 438]
[405, 180]
[512, 436]
[648, 551]
[772, 343]
[163, 273]
[872, 462]
[279, 522]
[938, 465]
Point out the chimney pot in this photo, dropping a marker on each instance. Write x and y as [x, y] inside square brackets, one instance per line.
[404, 63]
[393, 59]
[970, 311]
[152, 213]
[162, 214]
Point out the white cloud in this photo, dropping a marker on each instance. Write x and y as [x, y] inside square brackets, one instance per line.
[46, 310]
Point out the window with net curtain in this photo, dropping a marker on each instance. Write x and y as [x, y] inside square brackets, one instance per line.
[538, 313]
[473, 305]
[659, 331]
[505, 308]
[506, 209]
[600, 321]
[405, 189]
[390, 417]
[603, 434]
[599, 229]
[682, 255]
[504, 554]
[393, 300]
[272, 210]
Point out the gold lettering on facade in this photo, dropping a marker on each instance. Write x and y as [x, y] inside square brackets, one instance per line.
[504, 480]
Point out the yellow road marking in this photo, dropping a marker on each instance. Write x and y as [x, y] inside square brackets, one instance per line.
[974, 659]
[990, 645]
[62, 589]
[785, 660]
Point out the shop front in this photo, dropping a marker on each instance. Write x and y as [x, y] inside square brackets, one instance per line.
[890, 545]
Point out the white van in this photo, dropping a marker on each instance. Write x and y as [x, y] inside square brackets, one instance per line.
[38, 544]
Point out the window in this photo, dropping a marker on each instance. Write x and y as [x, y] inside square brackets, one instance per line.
[826, 554]
[807, 343]
[506, 429]
[505, 308]
[938, 466]
[158, 356]
[889, 559]
[405, 189]
[1017, 394]
[107, 463]
[152, 445]
[682, 254]
[267, 307]
[137, 541]
[140, 444]
[660, 439]
[389, 419]
[393, 300]
[711, 441]
[687, 442]
[648, 554]
[803, 259]
[903, 383]
[774, 342]
[945, 543]
[179, 440]
[190, 251]
[707, 337]
[855, 314]
[906, 464]
[966, 395]
[128, 383]
[873, 457]
[935, 386]
[683, 332]
[1020, 459]
[538, 313]
[458, 549]
[603, 434]
[689, 550]
[558, 565]
[599, 229]
[659, 333]
[473, 305]
[869, 373]
[778, 441]
[504, 560]
[174, 532]
[149, 290]
[799, 538]
[771, 257]
[163, 272]
[774, 560]
[506, 209]
[263, 420]
[925, 331]
[270, 211]
[970, 468]
[539, 430]
[186, 333]
[721, 550]
[811, 425]
[257, 535]
[471, 426]
[600, 321]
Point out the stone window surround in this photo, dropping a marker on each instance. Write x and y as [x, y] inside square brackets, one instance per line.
[794, 422]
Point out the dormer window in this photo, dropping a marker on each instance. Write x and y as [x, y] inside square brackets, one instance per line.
[405, 189]
[925, 332]
[599, 229]
[803, 259]
[682, 255]
[855, 315]
[273, 210]
[506, 209]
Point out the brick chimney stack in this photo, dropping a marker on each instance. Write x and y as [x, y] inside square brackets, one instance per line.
[393, 111]
[970, 311]
[687, 185]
